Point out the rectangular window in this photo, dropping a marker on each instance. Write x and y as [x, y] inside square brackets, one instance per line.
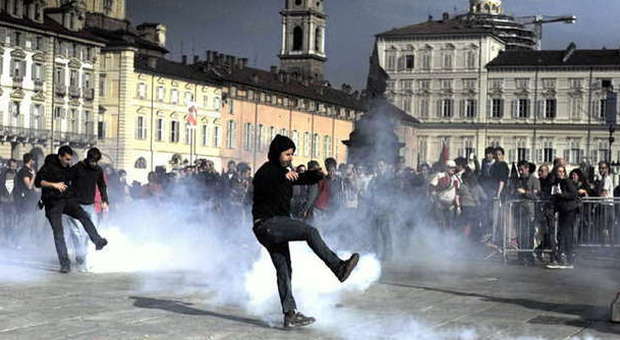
[424, 107]
[89, 124]
[73, 79]
[100, 130]
[37, 72]
[73, 121]
[87, 80]
[175, 129]
[174, 96]
[426, 61]
[390, 61]
[497, 110]
[407, 104]
[316, 145]
[247, 137]
[231, 134]
[159, 136]
[523, 108]
[189, 97]
[447, 61]
[550, 108]
[141, 127]
[603, 108]
[446, 108]
[102, 85]
[446, 84]
[142, 91]
[523, 154]
[470, 108]
[161, 94]
[217, 136]
[205, 135]
[409, 62]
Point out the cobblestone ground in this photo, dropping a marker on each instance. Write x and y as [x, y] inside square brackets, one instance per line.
[474, 300]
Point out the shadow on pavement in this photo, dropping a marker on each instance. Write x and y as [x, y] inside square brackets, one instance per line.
[591, 316]
[181, 307]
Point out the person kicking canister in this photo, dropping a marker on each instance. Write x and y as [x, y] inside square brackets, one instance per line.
[54, 179]
[274, 228]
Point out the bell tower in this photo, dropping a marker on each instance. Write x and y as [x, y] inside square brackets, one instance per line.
[303, 38]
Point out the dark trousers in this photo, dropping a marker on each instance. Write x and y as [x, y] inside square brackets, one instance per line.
[566, 223]
[275, 234]
[54, 211]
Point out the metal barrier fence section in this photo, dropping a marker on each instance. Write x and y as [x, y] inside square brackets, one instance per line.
[521, 226]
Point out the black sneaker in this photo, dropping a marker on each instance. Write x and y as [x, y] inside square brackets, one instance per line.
[65, 268]
[296, 320]
[348, 266]
[102, 243]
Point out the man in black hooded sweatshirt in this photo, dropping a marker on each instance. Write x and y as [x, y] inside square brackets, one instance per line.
[274, 228]
[54, 179]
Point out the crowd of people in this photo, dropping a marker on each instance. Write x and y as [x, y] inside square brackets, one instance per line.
[463, 196]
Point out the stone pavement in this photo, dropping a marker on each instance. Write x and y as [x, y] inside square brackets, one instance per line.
[473, 300]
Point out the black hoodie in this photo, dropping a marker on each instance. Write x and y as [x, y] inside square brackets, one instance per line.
[272, 190]
[53, 172]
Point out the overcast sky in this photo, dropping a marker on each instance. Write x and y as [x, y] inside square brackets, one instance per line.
[251, 28]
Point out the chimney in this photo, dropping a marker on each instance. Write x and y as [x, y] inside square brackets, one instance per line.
[151, 62]
[274, 69]
[430, 17]
[346, 88]
[255, 78]
[446, 16]
[243, 62]
[282, 76]
[184, 59]
[196, 59]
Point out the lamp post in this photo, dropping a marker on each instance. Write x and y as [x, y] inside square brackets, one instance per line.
[610, 116]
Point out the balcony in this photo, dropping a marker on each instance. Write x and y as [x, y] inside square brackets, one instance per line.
[75, 139]
[23, 135]
[75, 92]
[61, 90]
[38, 84]
[89, 94]
[18, 82]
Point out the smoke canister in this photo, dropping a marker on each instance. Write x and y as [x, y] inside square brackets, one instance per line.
[615, 309]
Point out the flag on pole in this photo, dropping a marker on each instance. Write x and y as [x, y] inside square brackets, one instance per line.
[192, 114]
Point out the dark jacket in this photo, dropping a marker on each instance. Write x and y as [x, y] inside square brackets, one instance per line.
[567, 200]
[272, 190]
[85, 179]
[52, 171]
[5, 195]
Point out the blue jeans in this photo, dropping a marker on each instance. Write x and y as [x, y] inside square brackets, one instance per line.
[78, 237]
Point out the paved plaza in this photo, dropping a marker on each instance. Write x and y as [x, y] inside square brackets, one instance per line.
[469, 300]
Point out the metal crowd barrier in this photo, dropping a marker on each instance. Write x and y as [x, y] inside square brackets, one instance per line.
[520, 226]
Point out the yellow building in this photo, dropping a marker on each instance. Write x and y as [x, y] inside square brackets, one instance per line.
[48, 93]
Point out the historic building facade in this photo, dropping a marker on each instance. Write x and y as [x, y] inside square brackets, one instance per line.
[470, 91]
[48, 93]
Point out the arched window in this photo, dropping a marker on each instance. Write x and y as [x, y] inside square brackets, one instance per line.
[318, 40]
[298, 2]
[298, 39]
[140, 163]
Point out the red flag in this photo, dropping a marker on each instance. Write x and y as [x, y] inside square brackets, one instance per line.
[192, 116]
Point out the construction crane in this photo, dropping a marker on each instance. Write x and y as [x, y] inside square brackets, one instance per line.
[539, 20]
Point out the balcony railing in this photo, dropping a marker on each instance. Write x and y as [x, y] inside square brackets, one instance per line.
[75, 139]
[89, 94]
[23, 134]
[61, 90]
[75, 92]
[18, 82]
[38, 83]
